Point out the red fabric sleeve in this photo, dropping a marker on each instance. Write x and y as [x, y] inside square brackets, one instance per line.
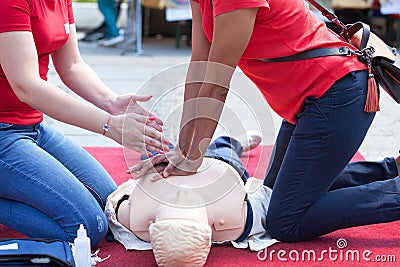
[15, 15]
[224, 6]
[71, 18]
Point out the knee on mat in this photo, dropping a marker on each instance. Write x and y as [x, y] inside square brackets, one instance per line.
[282, 231]
[96, 229]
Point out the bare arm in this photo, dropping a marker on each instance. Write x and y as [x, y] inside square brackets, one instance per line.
[194, 78]
[224, 53]
[20, 64]
[18, 58]
[232, 32]
[79, 77]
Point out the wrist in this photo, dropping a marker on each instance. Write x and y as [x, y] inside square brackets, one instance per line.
[109, 105]
[115, 133]
[193, 156]
[106, 126]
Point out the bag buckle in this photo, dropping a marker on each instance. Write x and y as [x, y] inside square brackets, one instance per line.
[346, 51]
[366, 55]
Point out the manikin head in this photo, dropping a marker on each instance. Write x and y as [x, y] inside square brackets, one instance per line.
[181, 235]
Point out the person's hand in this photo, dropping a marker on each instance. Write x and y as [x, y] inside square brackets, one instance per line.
[123, 104]
[137, 168]
[135, 132]
[166, 164]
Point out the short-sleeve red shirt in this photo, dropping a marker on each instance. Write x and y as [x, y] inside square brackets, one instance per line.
[49, 21]
[285, 28]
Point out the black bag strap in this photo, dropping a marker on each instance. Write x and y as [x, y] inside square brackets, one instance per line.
[329, 15]
[347, 30]
[314, 53]
[347, 33]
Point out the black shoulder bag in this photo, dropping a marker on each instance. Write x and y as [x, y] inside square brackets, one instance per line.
[371, 50]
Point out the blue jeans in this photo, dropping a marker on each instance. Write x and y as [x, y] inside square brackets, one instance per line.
[315, 189]
[109, 11]
[49, 185]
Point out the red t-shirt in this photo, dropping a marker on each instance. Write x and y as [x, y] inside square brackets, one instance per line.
[285, 28]
[48, 20]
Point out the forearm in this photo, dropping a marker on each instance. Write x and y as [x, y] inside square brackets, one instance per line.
[193, 83]
[207, 85]
[81, 79]
[209, 106]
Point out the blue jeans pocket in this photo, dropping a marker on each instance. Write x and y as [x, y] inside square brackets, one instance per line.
[349, 89]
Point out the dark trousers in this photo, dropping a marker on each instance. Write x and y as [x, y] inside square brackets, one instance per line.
[315, 189]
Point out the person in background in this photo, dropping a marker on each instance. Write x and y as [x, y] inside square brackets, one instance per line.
[109, 10]
[48, 184]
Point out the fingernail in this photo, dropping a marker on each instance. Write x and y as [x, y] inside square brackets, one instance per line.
[161, 152]
[149, 155]
[166, 149]
[165, 174]
[152, 118]
[166, 142]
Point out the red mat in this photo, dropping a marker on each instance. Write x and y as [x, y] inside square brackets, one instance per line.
[372, 245]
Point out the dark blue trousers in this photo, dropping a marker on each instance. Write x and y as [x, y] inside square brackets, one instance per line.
[315, 189]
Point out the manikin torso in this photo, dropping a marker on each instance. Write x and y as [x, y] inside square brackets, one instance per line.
[216, 186]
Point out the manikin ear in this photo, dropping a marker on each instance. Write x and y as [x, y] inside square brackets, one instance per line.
[123, 215]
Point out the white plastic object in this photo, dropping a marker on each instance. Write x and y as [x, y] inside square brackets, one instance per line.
[82, 255]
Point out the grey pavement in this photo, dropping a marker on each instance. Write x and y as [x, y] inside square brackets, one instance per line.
[160, 71]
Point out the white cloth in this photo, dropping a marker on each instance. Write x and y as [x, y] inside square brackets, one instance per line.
[258, 239]
[259, 196]
[122, 234]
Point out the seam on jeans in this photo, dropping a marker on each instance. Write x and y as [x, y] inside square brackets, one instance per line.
[301, 221]
[103, 204]
[12, 168]
[316, 152]
[297, 227]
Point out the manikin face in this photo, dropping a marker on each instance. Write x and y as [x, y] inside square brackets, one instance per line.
[181, 235]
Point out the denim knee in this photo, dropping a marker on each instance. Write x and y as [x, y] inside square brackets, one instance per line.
[96, 228]
[279, 228]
